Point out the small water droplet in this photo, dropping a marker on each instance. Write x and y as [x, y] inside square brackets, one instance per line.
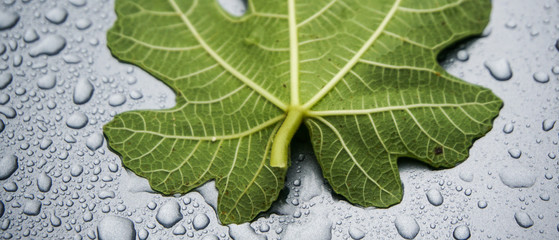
[76, 170]
[510, 24]
[515, 153]
[482, 204]
[71, 59]
[57, 15]
[143, 234]
[544, 196]
[32, 207]
[83, 23]
[135, 94]
[77, 120]
[466, 176]
[508, 128]
[78, 3]
[548, 124]
[462, 55]
[541, 77]
[499, 69]
[523, 219]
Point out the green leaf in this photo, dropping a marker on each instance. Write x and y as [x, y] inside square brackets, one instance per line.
[361, 75]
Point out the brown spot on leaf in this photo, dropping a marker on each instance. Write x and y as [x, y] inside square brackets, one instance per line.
[438, 150]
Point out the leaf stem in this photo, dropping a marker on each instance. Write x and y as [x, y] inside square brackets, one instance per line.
[280, 146]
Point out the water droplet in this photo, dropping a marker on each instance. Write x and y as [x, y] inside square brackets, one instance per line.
[113, 227]
[169, 214]
[71, 59]
[76, 170]
[461, 232]
[466, 176]
[143, 234]
[5, 80]
[30, 36]
[78, 3]
[44, 182]
[510, 24]
[10, 187]
[55, 220]
[77, 120]
[9, 112]
[523, 219]
[95, 141]
[117, 100]
[32, 207]
[47, 82]
[2, 126]
[179, 230]
[106, 194]
[201, 221]
[508, 128]
[462, 55]
[356, 233]
[517, 177]
[541, 77]
[210, 237]
[8, 165]
[515, 153]
[406, 226]
[83, 91]
[435, 197]
[555, 70]
[83, 23]
[135, 94]
[548, 124]
[57, 15]
[4, 98]
[244, 231]
[50, 45]
[8, 19]
[2, 209]
[499, 69]
[544, 196]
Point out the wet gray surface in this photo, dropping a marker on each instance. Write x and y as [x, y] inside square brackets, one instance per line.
[59, 85]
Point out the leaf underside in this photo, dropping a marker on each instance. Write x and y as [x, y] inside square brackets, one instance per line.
[363, 74]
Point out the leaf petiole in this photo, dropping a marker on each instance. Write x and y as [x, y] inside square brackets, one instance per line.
[280, 146]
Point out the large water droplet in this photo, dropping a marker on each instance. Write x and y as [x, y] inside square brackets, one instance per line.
[44, 182]
[169, 214]
[523, 219]
[5, 80]
[8, 165]
[83, 91]
[77, 120]
[461, 232]
[95, 141]
[76, 170]
[83, 23]
[517, 177]
[541, 77]
[50, 45]
[116, 228]
[9, 112]
[462, 55]
[499, 69]
[32, 207]
[55, 220]
[179, 230]
[201, 221]
[8, 19]
[47, 82]
[435, 197]
[508, 128]
[548, 124]
[466, 176]
[406, 226]
[78, 3]
[57, 15]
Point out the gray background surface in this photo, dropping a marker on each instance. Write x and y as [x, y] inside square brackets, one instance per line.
[522, 32]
